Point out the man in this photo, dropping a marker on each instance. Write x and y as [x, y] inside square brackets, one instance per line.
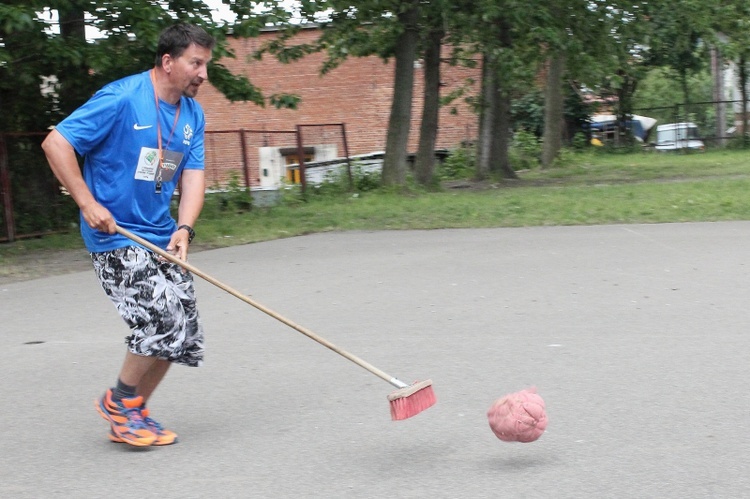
[141, 137]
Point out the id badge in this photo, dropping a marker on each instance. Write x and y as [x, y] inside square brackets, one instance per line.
[150, 169]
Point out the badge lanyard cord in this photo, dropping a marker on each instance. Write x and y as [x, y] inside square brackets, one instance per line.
[158, 131]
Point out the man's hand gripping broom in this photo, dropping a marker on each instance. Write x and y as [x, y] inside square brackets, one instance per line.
[407, 401]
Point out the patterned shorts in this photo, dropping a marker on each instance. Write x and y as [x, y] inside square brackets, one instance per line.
[157, 300]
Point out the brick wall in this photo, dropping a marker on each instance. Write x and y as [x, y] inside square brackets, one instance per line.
[357, 93]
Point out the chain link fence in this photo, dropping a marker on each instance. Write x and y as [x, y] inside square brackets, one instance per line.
[719, 123]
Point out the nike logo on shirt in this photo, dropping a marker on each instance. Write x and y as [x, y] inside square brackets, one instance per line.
[141, 127]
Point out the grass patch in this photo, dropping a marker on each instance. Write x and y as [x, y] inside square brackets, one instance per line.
[602, 167]
[592, 188]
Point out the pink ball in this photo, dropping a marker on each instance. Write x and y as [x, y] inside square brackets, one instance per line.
[518, 417]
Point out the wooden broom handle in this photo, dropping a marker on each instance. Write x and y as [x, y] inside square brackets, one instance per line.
[168, 256]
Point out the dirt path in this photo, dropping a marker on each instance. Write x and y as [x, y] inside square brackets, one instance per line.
[46, 263]
[36, 264]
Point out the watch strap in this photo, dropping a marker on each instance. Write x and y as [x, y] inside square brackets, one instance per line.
[190, 231]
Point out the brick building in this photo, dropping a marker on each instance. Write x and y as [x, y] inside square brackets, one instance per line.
[357, 94]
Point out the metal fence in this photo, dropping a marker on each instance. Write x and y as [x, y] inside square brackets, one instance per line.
[255, 159]
[32, 202]
[233, 157]
[331, 139]
[719, 123]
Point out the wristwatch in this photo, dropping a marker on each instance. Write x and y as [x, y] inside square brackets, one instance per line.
[190, 231]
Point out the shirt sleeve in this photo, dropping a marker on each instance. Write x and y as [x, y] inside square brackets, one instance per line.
[197, 155]
[91, 123]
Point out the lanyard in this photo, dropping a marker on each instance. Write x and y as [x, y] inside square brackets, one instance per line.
[158, 132]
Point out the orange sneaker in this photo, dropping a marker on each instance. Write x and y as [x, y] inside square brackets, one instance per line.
[163, 437]
[126, 419]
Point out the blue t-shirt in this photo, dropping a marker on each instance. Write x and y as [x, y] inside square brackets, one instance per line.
[116, 133]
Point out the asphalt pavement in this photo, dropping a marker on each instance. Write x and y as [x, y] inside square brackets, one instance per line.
[636, 336]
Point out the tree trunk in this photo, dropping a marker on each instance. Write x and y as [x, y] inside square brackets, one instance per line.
[717, 69]
[486, 118]
[499, 151]
[494, 126]
[501, 129]
[425, 162]
[399, 122]
[686, 93]
[742, 66]
[625, 105]
[73, 31]
[553, 110]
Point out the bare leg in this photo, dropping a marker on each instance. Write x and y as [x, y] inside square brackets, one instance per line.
[145, 373]
[135, 367]
[152, 378]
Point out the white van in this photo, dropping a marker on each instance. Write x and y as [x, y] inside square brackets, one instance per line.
[674, 136]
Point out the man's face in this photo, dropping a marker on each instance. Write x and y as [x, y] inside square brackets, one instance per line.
[189, 70]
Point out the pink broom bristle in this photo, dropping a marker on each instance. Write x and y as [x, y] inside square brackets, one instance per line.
[410, 401]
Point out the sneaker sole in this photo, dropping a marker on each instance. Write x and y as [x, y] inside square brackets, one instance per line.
[98, 404]
[117, 440]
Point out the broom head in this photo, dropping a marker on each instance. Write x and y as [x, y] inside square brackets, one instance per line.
[410, 401]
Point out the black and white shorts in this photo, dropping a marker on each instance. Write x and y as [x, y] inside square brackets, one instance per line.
[156, 298]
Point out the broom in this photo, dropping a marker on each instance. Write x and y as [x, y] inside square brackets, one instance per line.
[407, 401]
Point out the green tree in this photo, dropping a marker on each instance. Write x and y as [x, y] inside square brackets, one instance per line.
[496, 31]
[677, 39]
[732, 22]
[398, 30]
[575, 36]
[48, 67]
[658, 94]
[22, 68]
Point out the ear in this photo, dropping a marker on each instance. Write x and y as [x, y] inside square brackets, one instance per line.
[166, 63]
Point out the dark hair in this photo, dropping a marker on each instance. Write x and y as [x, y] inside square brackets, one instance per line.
[175, 39]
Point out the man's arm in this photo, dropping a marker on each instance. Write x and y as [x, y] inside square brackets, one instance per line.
[62, 160]
[192, 193]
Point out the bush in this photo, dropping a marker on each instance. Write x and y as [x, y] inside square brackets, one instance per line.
[233, 197]
[460, 163]
[337, 181]
[566, 157]
[736, 143]
[580, 141]
[525, 150]
[39, 204]
[366, 180]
